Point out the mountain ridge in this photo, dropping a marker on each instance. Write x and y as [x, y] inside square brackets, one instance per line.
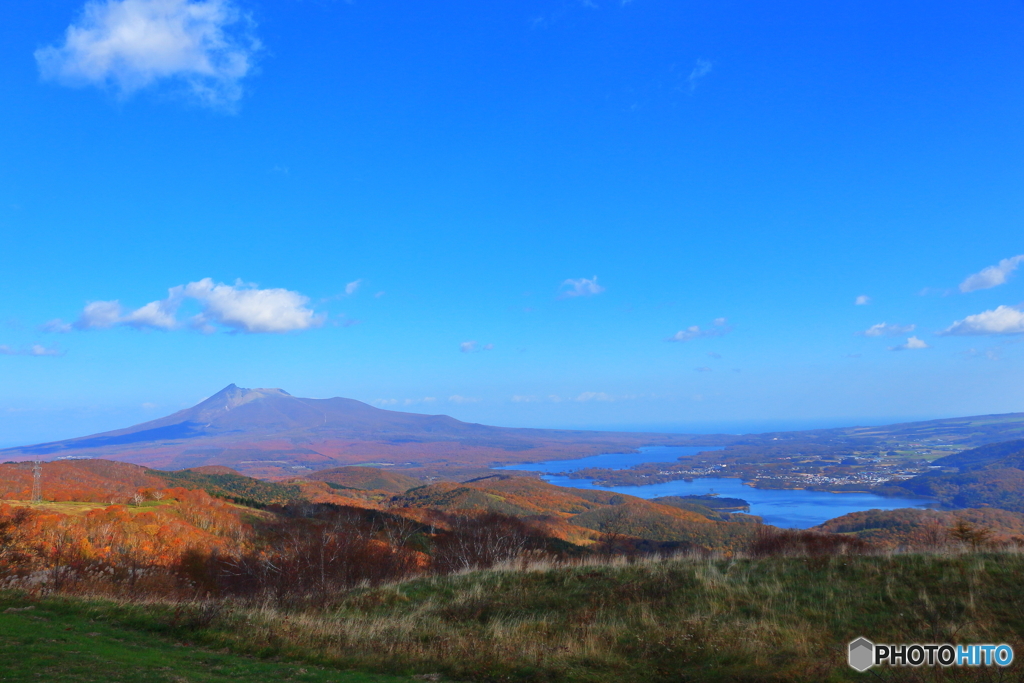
[269, 432]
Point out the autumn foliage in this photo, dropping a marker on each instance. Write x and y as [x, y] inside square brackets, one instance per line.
[186, 543]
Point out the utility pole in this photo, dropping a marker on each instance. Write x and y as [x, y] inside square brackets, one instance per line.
[37, 481]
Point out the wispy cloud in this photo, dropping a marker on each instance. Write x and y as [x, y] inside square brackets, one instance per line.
[57, 325]
[593, 396]
[204, 46]
[720, 327]
[1001, 320]
[351, 287]
[701, 69]
[911, 344]
[240, 307]
[581, 287]
[887, 330]
[703, 368]
[34, 350]
[988, 354]
[473, 346]
[462, 399]
[862, 300]
[993, 276]
[417, 401]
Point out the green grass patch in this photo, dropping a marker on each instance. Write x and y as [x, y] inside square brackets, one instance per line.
[782, 619]
[76, 641]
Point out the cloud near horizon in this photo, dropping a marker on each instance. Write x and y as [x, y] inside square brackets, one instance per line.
[206, 46]
[886, 330]
[1001, 320]
[721, 327]
[593, 396]
[239, 307]
[993, 276]
[34, 350]
[911, 344]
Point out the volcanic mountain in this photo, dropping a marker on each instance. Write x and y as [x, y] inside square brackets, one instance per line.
[269, 432]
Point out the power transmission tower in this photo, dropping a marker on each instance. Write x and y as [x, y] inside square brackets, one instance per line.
[37, 482]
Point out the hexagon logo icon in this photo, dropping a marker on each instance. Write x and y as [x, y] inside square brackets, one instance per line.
[862, 654]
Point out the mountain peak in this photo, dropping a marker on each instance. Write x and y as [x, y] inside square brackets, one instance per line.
[233, 396]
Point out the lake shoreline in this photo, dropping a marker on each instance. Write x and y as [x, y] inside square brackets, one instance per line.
[783, 507]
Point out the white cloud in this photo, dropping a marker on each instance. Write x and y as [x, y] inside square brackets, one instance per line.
[241, 307]
[886, 330]
[206, 46]
[524, 399]
[1001, 320]
[249, 309]
[156, 314]
[34, 350]
[581, 287]
[911, 344]
[700, 70]
[385, 401]
[462, 399]
[99, 314]
[593, 396]
[721, 327]
[993, 276]
[862, 300]
[351, 287]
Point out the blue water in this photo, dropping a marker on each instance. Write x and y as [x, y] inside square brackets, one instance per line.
[793, 509]
[614, 461]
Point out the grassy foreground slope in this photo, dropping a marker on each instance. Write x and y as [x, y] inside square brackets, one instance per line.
[769, 619]
[66, 640]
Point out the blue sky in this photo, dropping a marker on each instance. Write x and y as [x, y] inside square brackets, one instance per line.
[644, 214]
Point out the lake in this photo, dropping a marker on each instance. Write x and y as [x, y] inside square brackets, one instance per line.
[794, 509]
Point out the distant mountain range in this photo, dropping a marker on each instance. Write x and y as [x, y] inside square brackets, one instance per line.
[269, 432]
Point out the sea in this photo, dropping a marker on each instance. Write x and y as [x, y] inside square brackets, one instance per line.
[787, 508]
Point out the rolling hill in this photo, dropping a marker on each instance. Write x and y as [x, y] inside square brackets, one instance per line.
[988, 476]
